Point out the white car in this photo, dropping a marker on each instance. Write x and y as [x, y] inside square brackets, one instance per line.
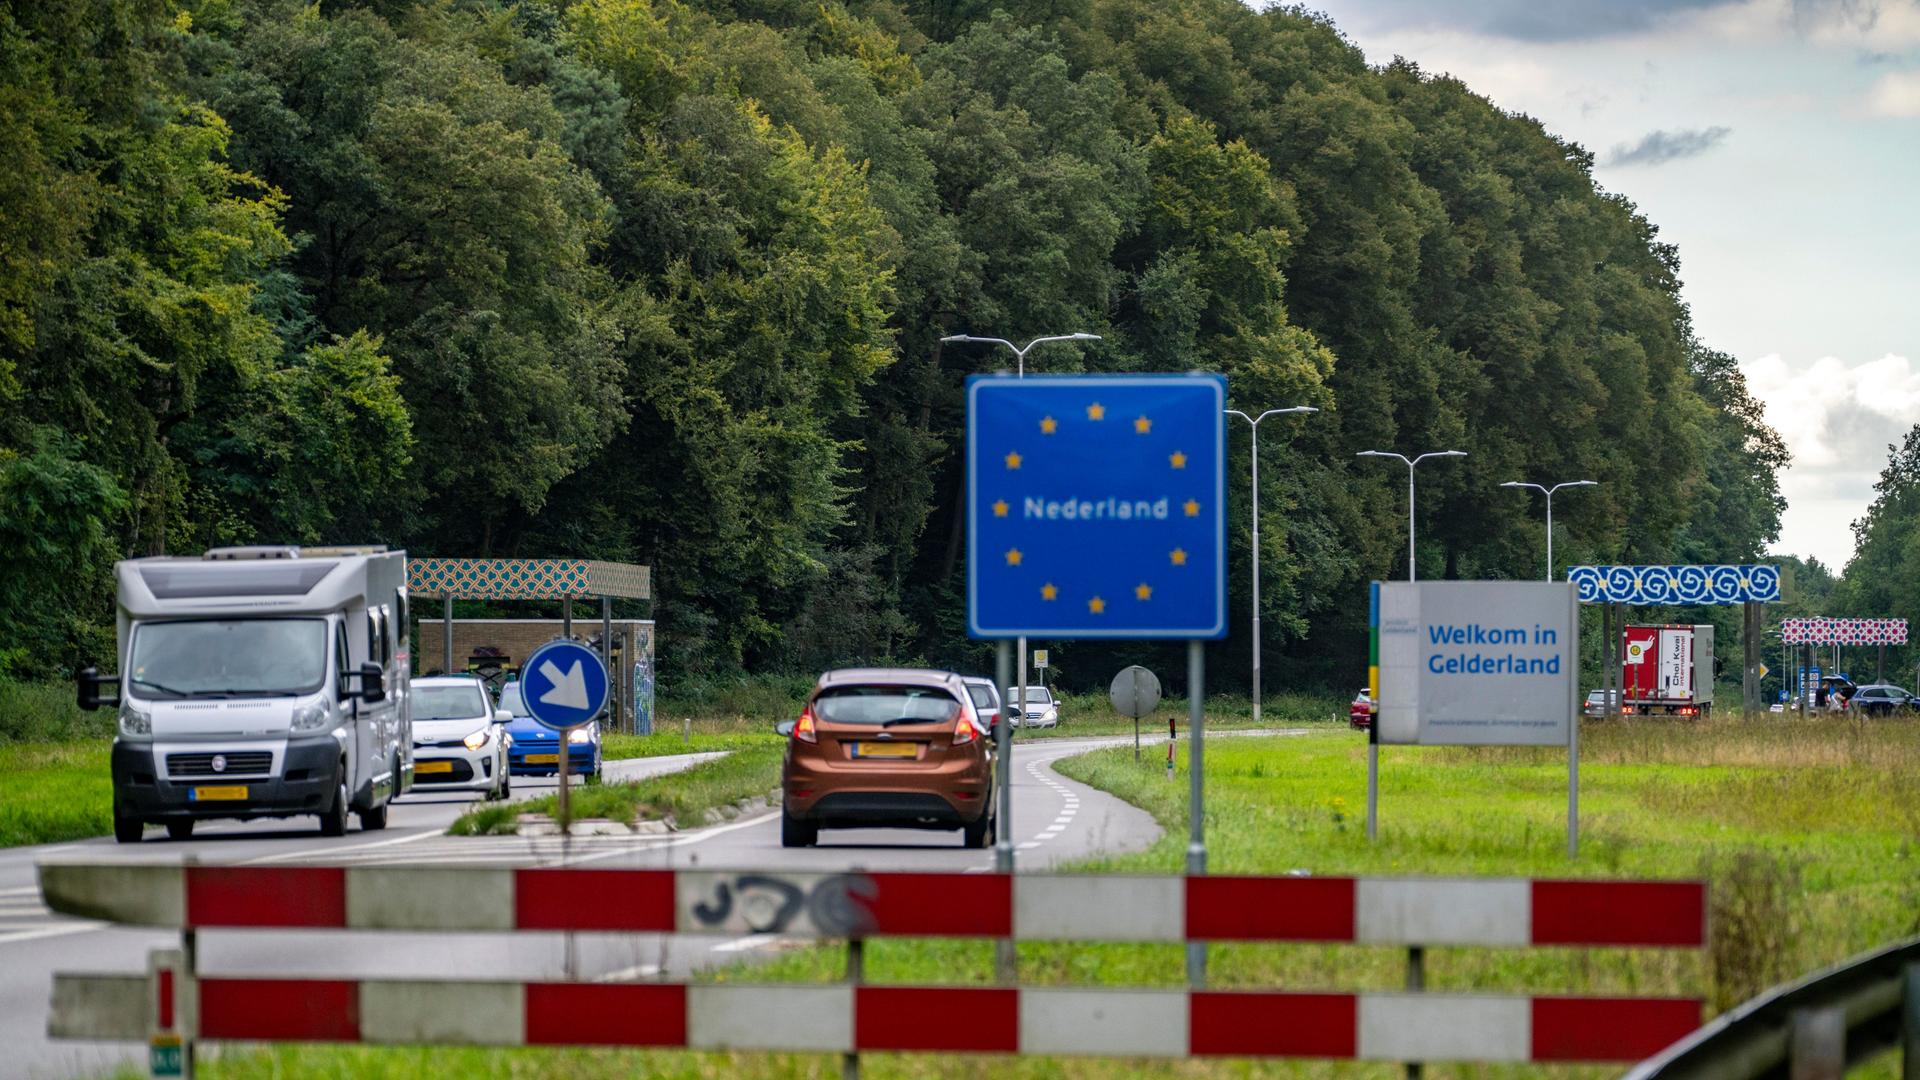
[459, 740]
[1043, 709]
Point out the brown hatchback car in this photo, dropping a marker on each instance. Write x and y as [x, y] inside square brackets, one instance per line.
[893, 747]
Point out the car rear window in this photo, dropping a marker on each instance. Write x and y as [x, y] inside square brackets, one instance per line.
[884, 704]
[982, 696]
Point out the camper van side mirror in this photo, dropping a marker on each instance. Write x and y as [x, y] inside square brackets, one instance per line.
[373, 683]
[89, 681]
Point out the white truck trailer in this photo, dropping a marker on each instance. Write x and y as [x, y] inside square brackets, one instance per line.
[259, 682]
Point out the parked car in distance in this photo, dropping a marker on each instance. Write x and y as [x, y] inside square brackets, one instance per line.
[459, 738]
[1043, 709]
[1882, 699]
[986, 700]
[1360, 710]
[1596, 705]
[535, 747]
[887, 747]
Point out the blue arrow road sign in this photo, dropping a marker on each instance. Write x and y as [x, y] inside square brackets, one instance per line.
[564, 684]
[1096, 506]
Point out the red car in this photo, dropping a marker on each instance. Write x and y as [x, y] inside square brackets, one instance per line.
[1360, 710]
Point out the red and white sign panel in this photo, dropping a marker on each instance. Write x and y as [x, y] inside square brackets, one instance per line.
[1820, 630]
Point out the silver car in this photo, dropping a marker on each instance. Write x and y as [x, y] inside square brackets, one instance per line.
[986, 699]
[459, 740]
[1043, 709]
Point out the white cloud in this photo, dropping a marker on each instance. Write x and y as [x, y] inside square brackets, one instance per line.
[1896, 94]
[1838, 421]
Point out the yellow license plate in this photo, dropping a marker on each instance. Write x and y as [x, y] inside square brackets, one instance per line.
[885, 749]
[432, 766]
[205, 794]
[542, 759]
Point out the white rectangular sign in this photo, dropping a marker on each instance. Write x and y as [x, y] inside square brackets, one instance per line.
[1477, 663]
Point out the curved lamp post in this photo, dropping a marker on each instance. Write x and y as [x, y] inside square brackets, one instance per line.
[1253, 424]
[1412, 574]
[1548, 492]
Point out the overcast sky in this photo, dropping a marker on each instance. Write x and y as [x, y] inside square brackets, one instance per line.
[1777, 143]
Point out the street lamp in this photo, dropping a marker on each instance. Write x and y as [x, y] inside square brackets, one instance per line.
[1410, 463]
[1020, 351]
[1253, 424]
[1548, 492]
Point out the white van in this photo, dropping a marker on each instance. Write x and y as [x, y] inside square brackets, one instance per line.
[259, 682]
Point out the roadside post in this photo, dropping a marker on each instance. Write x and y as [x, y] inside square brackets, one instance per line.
[1096, 510]
[171, 993]
[564, 685]
[1135, 692]
[1171, 736]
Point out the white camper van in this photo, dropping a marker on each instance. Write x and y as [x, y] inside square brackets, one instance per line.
[259, 682]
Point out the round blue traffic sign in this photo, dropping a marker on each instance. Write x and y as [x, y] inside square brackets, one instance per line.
[564, 684]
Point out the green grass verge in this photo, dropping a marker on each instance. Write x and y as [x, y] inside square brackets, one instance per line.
[51, 792]
[662, 744]
[1093, 714]
[1809, 833]
[683, 797]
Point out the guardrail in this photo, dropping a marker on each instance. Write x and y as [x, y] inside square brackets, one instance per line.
[172, 1002]
[1815, 1028]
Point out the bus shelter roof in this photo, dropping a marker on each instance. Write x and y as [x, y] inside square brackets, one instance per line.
[527, 579]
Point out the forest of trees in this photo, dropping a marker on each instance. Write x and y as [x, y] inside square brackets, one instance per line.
[663, 281]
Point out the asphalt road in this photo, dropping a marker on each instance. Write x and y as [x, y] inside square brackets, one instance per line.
[1055, 820]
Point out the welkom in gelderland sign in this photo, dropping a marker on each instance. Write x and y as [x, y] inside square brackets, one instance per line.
[1478, 663]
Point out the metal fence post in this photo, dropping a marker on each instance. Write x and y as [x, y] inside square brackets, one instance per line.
[856, 971]
[1817, 1045]
[1910, 1024]
[1416, 982]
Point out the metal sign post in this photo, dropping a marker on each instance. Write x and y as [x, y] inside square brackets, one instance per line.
[1096, 509]
[563, 686]
[1135, 692]
[1196, 798]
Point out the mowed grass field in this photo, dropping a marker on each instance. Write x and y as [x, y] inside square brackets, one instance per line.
[1809, 833]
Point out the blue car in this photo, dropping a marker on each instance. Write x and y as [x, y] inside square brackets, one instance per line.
[535, 750]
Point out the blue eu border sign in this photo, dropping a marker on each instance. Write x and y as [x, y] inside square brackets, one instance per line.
[1096, 506]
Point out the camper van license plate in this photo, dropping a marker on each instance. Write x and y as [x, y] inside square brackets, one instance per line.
[205, 794]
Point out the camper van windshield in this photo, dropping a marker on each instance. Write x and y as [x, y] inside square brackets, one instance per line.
[237, 657]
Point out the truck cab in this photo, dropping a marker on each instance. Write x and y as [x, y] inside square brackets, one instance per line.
[258, 682]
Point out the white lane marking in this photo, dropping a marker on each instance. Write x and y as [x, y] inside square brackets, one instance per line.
[751, 941]
[50, 931]
[332, 852]
[628, 974]
[679, 841]
[21, 890]
[1028, 844]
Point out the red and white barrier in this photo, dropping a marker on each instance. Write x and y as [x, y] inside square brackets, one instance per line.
[1066, 907]
[845, 1018]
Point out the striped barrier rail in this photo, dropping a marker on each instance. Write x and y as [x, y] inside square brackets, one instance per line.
[851, 1018]
[1038, 907]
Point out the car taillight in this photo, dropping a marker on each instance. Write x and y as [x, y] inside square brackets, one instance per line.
[803, 727]
[963, 730]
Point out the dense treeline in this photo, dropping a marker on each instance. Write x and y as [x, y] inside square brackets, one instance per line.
[665, 281]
